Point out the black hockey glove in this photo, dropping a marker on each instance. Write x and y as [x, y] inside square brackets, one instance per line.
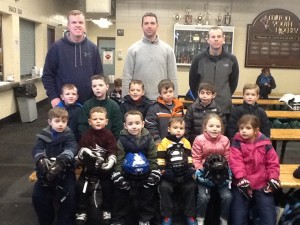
[55, 170]
[120, 181]
[272, 186]
[153, 179]
[43, 165]
[244, 187]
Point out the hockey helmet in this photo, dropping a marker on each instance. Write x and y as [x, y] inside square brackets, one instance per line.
[177, 159]
[136, 165]
[216, 168]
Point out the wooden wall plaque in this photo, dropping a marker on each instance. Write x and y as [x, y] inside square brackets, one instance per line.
[273, 40]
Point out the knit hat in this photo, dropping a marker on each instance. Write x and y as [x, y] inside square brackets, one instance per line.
[296, 173]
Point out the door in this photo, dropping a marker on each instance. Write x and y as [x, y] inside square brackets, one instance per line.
[106, 46]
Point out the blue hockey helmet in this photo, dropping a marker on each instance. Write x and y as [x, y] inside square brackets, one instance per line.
[136, 165]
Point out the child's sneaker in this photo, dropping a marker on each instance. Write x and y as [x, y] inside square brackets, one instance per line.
[191, 220]
[106, 217]
[144, 223]
[167, 221]
[81, 218]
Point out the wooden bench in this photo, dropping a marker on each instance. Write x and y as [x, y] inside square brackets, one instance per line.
[32, 177]
[283, 114]
[239, 101]
[284, 135]
[286, 176]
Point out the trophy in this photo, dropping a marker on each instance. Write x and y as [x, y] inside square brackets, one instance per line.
[177, 17]
[188, 17]
[219, 20]
[199, 19]
[227, 18]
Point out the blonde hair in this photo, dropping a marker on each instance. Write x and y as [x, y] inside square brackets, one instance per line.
[75, 13]
[68, 87]
[98, 109]
[251, 86]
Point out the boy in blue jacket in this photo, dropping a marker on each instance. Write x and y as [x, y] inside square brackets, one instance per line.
[53, 194]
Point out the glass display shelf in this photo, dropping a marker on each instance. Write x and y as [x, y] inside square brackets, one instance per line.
[190, 40]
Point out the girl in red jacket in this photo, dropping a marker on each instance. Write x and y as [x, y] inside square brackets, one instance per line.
[212, 141]
[255, 167]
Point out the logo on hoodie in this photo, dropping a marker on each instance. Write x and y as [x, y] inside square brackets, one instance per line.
[87, 54]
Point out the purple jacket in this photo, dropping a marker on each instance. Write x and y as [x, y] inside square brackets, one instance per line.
[256, 161]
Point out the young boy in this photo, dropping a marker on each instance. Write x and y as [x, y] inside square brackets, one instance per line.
[175, 161]
[166, 107]
[69, 96]
[136, 173]
[203, 105]
[114, 115]
[116, 93]
[136, 99]
[98, 156]
[249, 106]
[54, 154]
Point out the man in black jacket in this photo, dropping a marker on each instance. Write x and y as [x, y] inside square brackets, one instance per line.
[217, 67]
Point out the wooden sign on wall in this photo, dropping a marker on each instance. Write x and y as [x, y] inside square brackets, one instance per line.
[273, 40]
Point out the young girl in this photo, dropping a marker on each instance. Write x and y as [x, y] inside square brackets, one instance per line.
[212, 141]
[255, 167]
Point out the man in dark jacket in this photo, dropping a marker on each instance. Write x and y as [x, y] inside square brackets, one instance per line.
[73, 59]
[217, 67]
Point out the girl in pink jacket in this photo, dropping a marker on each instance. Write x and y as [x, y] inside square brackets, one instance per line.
[212, 141]
[255, 167]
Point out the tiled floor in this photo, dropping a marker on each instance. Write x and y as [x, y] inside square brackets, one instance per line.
[16, 142]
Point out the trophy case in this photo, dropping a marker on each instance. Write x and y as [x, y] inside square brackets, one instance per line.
[190, 40]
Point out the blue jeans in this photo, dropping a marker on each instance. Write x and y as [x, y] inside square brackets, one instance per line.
[264, 207]
[203, 197]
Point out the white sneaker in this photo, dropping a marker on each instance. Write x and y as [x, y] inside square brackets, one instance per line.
[81, 218]
[200, 221]
[144, 223]
[106, 215]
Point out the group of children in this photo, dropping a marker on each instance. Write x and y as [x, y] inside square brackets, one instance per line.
[141, 152]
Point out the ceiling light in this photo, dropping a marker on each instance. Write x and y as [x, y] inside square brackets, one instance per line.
[102, 22]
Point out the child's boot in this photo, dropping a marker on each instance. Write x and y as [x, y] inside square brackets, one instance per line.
[200, 221]
[223, 221]
[81, 218]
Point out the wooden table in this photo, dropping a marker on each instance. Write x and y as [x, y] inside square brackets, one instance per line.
[286, 176]
[283, 114]
[239, 101]
[284, 135]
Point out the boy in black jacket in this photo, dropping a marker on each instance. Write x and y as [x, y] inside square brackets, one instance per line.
[135, 99]
[54, 192]
[249, 106]
[136, 173]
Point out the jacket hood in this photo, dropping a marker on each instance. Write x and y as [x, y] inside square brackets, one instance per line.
[178, 106]
[77, 47]
[66, 39]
